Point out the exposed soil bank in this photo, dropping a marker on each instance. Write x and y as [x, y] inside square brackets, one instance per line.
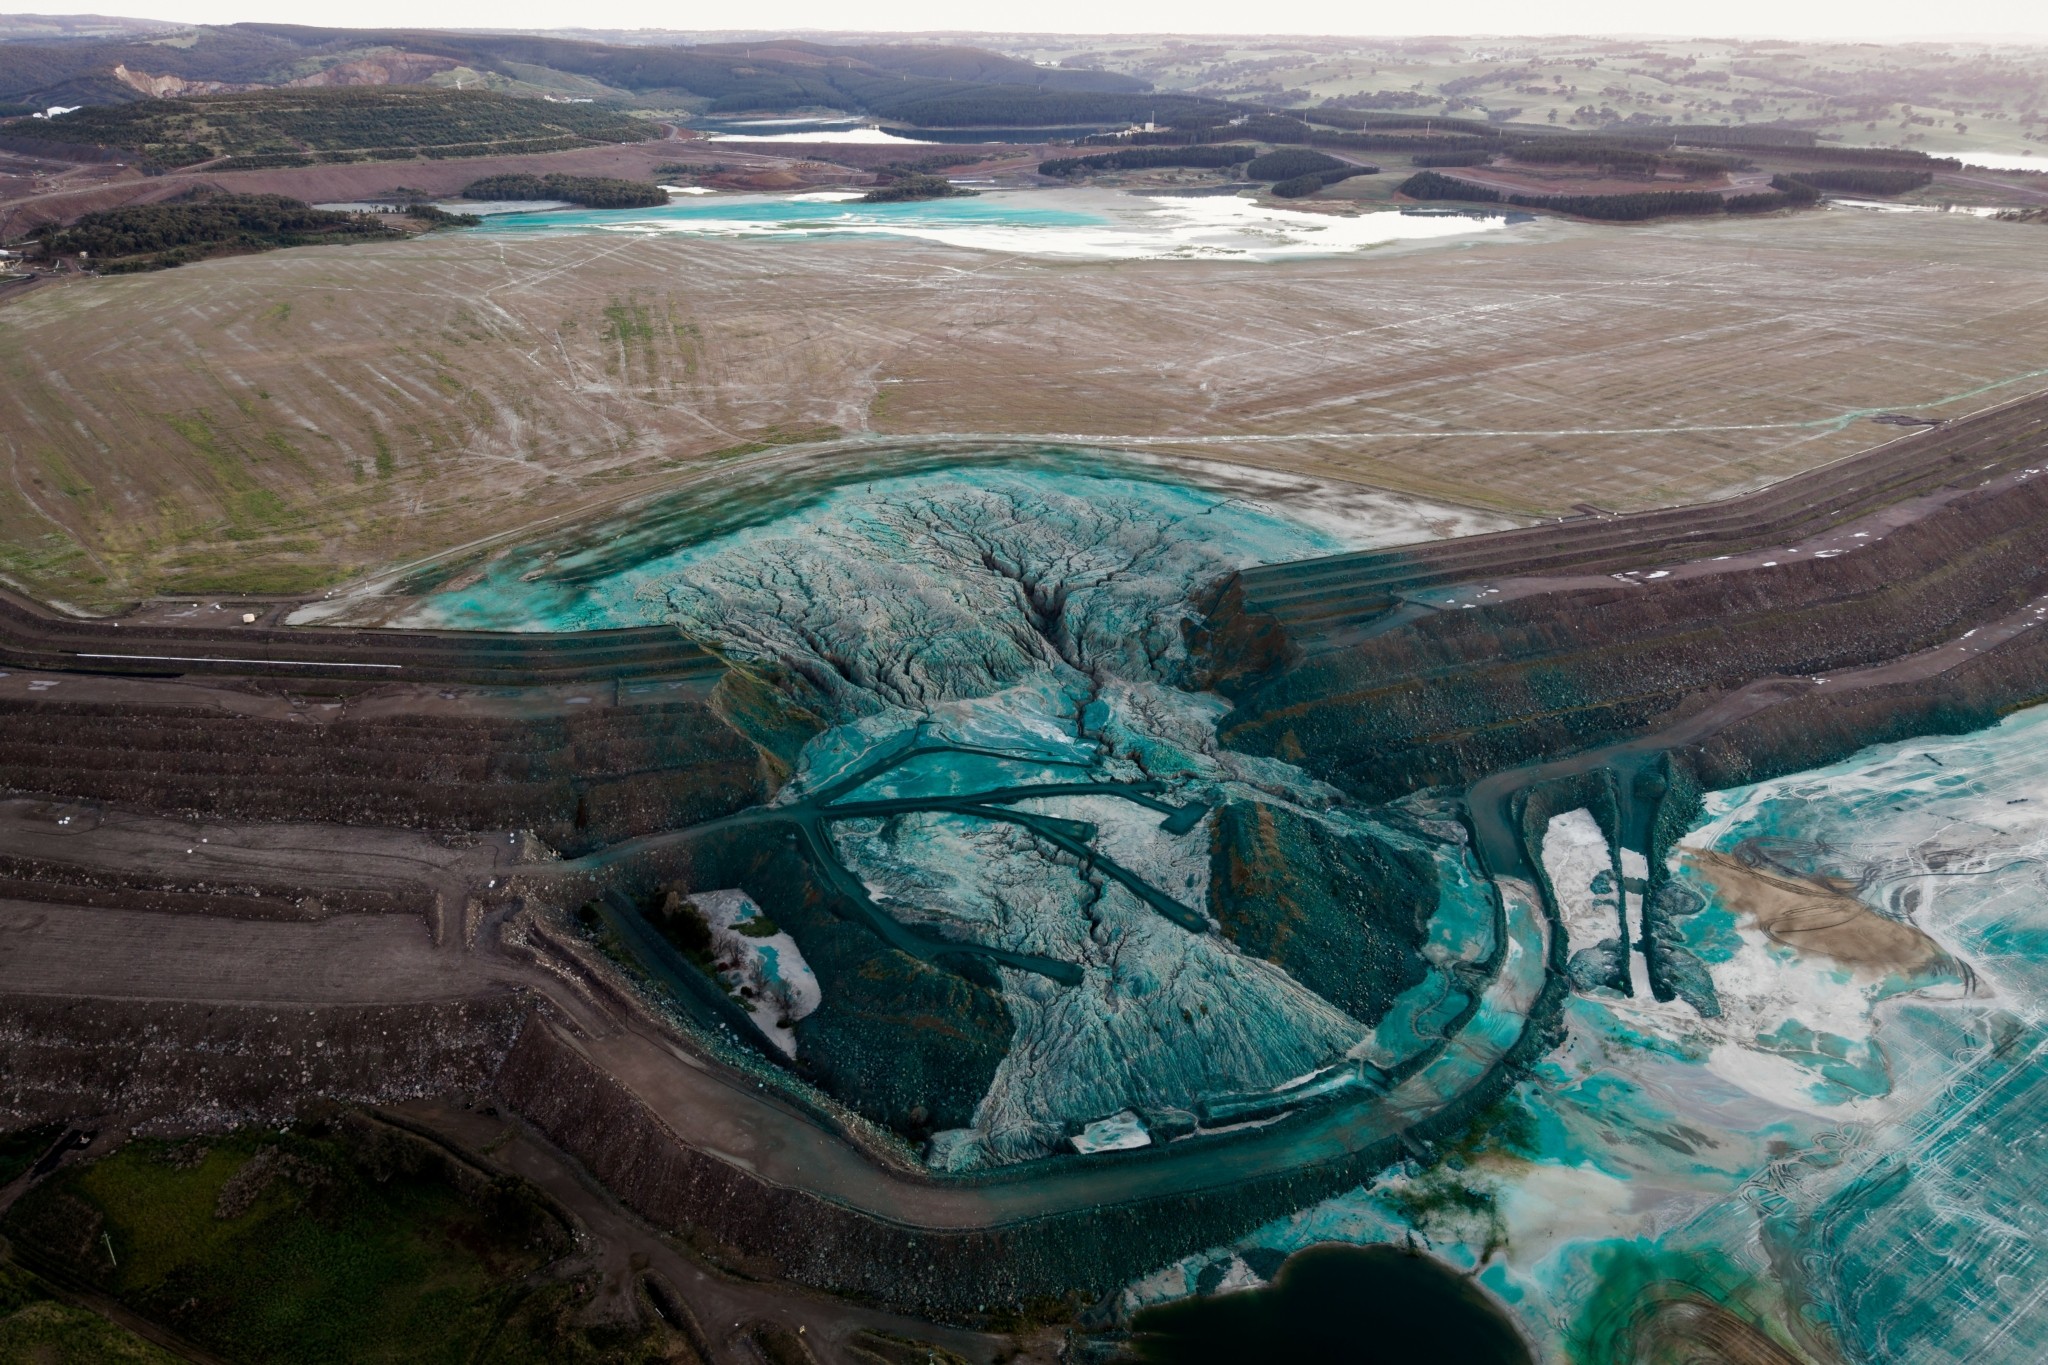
[1937, 613]
[1403, 682]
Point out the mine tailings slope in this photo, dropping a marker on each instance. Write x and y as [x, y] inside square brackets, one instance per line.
[1436, 666]
[1699, 637]
[583, 739]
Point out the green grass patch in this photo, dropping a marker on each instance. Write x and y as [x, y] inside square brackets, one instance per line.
[779, 436]
[50, 558]
[628, 322]
[45, 1331]
[62, 474]
[337, 1240]
[280, 579]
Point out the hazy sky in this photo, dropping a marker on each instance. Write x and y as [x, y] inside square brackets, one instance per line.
[1755, 18]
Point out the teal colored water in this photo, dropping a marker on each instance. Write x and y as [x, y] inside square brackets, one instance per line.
[1844, 1165]
[1341, 1305]
[998, 625]
[743, 215]
[1077, 223]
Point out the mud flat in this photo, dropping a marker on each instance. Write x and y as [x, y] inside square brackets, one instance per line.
[1813, 916]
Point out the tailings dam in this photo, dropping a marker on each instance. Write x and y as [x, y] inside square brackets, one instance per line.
[962, 883]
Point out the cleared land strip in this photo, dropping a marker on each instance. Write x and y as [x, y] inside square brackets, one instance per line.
[294, 421]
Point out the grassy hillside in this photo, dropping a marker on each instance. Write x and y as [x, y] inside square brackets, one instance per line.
[338, 1239]
[286, 421]
[1937, 97]
[789, 74]
[297, 127]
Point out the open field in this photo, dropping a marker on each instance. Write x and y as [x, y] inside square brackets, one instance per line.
[287, 421]
[1942, 98]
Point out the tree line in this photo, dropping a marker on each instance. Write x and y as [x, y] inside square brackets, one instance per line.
[1865, 180]
[151, 236]
[1607, 208]
[590, 191]
[272, 126]
[1215, 156]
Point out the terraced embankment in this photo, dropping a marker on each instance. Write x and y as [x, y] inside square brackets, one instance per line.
[581, 739]
[1393, 671]
[1321, 603]
[1913, 588]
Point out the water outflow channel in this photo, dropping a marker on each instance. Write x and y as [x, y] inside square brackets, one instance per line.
[1011, 769]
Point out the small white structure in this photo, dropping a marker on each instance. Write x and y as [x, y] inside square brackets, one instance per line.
[57, 110]
[767, 971]
[1120, 1132]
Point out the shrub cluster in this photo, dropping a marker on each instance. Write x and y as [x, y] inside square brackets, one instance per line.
[1608, 208]
[591, 191]
[902, 187]
[1289, 164]
[147, 236]
[1211, 157]
[1866, 180]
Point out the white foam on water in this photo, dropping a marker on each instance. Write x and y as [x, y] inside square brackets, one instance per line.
[1885, 206]
[2003, 161]
[869, 136]
[1080, 224]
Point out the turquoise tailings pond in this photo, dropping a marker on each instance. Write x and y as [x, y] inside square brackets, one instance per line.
[1074, 223]
[1010, 788]
[1013, 900]
[1832, 1150]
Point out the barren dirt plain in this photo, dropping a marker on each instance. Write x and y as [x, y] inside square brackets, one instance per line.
[289, 421]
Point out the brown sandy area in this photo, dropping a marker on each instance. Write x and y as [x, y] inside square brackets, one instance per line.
[1815, 916]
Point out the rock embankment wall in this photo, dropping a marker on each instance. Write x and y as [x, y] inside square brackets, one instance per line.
[949, 1273]
[1452, 695]
[1314, 600]
[578, 780]
[155, 1065]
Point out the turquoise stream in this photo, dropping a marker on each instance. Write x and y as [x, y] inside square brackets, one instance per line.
[1074, 223]
[817, 214]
